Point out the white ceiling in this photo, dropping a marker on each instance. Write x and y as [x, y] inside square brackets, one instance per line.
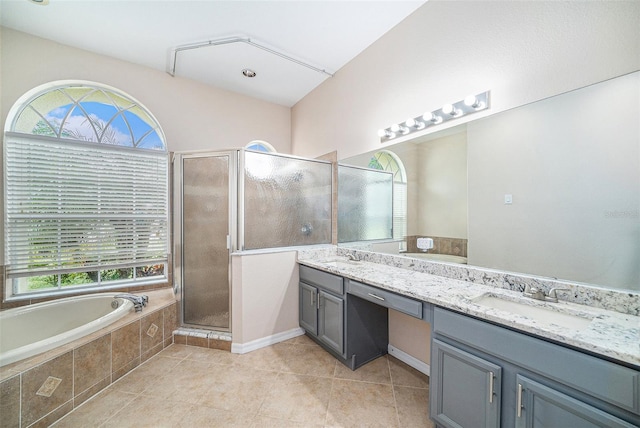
[324, 34]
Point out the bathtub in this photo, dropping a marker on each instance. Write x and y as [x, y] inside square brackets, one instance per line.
[449, 258]
[30, 330]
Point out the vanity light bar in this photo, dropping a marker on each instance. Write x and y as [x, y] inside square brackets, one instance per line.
[469, 105]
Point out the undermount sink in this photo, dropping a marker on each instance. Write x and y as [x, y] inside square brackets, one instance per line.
[339, 262]
[539, 312]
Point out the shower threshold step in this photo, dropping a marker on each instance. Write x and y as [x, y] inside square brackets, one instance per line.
[203, 338]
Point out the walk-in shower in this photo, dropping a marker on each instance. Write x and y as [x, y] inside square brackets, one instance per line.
[240, 200]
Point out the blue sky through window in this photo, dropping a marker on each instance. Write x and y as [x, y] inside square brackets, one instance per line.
[138, 133]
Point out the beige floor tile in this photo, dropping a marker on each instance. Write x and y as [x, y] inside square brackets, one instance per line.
[139, 379]
[214, 356]
[177, 351]
[237, 389]
[267, 422]
[413, 406]
[149, 412]
[201, 416]
[97, 410]
[292, 384]
[376, 371]
[404, 375]
[269, 358]
[298, 398]
[302, 340]
[354, 403]
[310, 360]
[188, 381]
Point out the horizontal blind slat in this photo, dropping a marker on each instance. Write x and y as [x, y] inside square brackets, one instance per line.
[70, 206]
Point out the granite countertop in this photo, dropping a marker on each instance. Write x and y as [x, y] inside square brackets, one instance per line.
[611, 334]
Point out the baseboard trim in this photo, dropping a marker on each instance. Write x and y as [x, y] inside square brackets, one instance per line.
[243, 348]
[409, 360]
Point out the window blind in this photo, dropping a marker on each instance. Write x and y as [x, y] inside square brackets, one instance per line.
[80, 206]
[399, 210]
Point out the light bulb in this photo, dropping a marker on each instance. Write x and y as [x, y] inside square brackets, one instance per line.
[451, 110]
[385, 133]
[472, 101]
[430, 117]
[412, 123]
[396, 127]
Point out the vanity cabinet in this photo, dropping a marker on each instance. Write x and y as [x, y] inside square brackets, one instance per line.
[469, 388]
[322, 315]
[542, 406]
[353, 330]
[484, 375]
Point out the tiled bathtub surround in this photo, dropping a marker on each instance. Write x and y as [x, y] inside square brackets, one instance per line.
[613, 332]
[452, 246]
[42, 389]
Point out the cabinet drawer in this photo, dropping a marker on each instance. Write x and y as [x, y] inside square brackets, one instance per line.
[322, 279]
[599, 378]
[385, 298]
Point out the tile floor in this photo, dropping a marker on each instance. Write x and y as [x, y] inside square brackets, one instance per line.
[290, 384]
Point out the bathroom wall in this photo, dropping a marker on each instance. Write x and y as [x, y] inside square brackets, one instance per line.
[264, 307]
[442, 180]
[521, 51]
[194, 116]
[566, 176]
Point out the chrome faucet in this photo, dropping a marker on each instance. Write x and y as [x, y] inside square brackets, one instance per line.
[138, 301]
[534, 293]
[352, 257]
[539, 294]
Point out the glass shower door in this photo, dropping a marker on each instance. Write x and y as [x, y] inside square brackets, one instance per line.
[205, 239]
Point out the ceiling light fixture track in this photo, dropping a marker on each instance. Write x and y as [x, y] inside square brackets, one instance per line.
[173, 57]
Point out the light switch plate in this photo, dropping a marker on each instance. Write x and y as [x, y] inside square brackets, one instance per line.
[508, 199]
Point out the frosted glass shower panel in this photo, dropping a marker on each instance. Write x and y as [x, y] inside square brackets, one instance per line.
[365, 204]
[205, 226]
[287, 201]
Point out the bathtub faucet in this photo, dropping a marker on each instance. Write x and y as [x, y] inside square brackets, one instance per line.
[138, 301]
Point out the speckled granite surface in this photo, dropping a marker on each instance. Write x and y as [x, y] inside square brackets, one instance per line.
[614, 331]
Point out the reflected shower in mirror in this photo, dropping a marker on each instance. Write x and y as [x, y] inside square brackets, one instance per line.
[365, 199]
[551, 188]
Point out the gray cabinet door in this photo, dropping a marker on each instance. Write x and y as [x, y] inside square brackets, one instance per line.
[308, 308]
[331, 321]
[539, 406]
[466, 389]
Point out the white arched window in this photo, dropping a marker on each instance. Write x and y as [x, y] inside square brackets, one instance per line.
[390, 162]
[86, 191]
[260, 146]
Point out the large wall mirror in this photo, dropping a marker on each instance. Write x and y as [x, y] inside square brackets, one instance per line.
[551, 188]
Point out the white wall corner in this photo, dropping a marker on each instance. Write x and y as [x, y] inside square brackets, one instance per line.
[243, 348]
[409, 360]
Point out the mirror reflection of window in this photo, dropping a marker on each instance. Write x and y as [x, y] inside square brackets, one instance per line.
[386, 160]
